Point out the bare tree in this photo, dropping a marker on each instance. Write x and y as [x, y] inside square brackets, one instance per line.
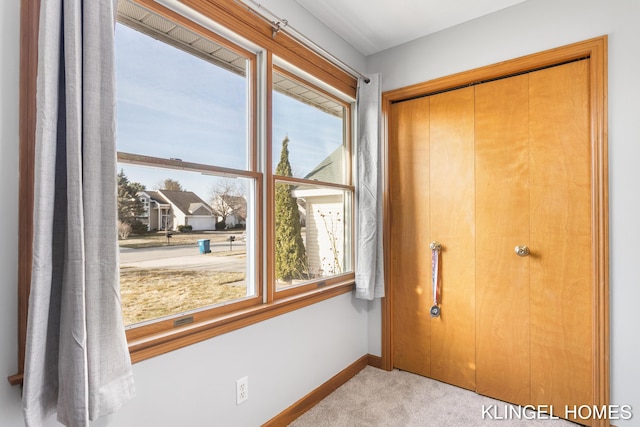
[228, 198]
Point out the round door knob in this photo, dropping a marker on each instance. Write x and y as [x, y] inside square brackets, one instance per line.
[522, 250]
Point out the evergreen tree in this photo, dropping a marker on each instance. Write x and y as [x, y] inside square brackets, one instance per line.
[130, 207]
[172, 185]
[291, 260]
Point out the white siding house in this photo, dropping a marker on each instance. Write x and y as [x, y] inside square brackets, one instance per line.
[324, 231]
[324, 210]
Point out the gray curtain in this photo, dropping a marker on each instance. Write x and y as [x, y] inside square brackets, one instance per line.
[77, 362]
[370, 259]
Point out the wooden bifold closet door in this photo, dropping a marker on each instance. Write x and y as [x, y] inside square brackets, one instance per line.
[482, 170]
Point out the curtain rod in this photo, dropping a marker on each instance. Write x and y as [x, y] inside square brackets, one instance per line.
[278, 24]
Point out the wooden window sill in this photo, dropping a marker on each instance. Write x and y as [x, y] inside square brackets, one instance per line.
[163, 342]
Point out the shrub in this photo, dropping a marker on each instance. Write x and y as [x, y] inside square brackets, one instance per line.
[138, 228]
[124, 229]
[221, 225]
[185, 228]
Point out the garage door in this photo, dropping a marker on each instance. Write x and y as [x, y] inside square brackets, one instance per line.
[201, 223]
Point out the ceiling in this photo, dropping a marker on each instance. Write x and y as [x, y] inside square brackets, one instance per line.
[375, 25]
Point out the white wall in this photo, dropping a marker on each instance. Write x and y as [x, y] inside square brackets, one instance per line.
[537, 25]
[285, 357]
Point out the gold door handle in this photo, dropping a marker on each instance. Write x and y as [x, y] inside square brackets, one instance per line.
[522, 250]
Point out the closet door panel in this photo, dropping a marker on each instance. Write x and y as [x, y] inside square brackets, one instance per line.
[561, 241]
[410, 270]
[502, 223]
[453, 225]
[482, 170]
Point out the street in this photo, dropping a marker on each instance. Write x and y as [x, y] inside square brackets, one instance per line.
[186, 257]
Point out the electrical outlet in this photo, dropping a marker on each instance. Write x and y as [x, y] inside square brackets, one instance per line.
[242, 390]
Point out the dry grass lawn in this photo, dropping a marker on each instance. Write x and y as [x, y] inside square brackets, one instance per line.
[152, 293]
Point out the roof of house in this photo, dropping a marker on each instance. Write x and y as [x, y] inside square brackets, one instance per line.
[330, 169]
[199, 209]
[154, 195]
[187, 201]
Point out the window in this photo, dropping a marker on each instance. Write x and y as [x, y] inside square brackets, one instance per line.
[221, 202]
[200, 133]
[189, 254]
[313, 195]
[187, 184]
[181, 95]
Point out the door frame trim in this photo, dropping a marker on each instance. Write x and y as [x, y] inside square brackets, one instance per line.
[596, 50]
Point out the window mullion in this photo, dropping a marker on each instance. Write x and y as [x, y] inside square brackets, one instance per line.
[269, 218]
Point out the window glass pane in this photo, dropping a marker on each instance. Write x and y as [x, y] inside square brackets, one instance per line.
[183, 103]
[313, 124]
[186, 241]
[313, 233]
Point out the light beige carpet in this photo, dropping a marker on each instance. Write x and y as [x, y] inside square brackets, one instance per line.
[400, 399]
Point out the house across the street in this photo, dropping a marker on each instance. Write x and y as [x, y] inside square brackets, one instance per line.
[166, 210]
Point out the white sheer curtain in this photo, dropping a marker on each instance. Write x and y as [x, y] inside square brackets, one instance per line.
[370, 259]
[77, 362]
